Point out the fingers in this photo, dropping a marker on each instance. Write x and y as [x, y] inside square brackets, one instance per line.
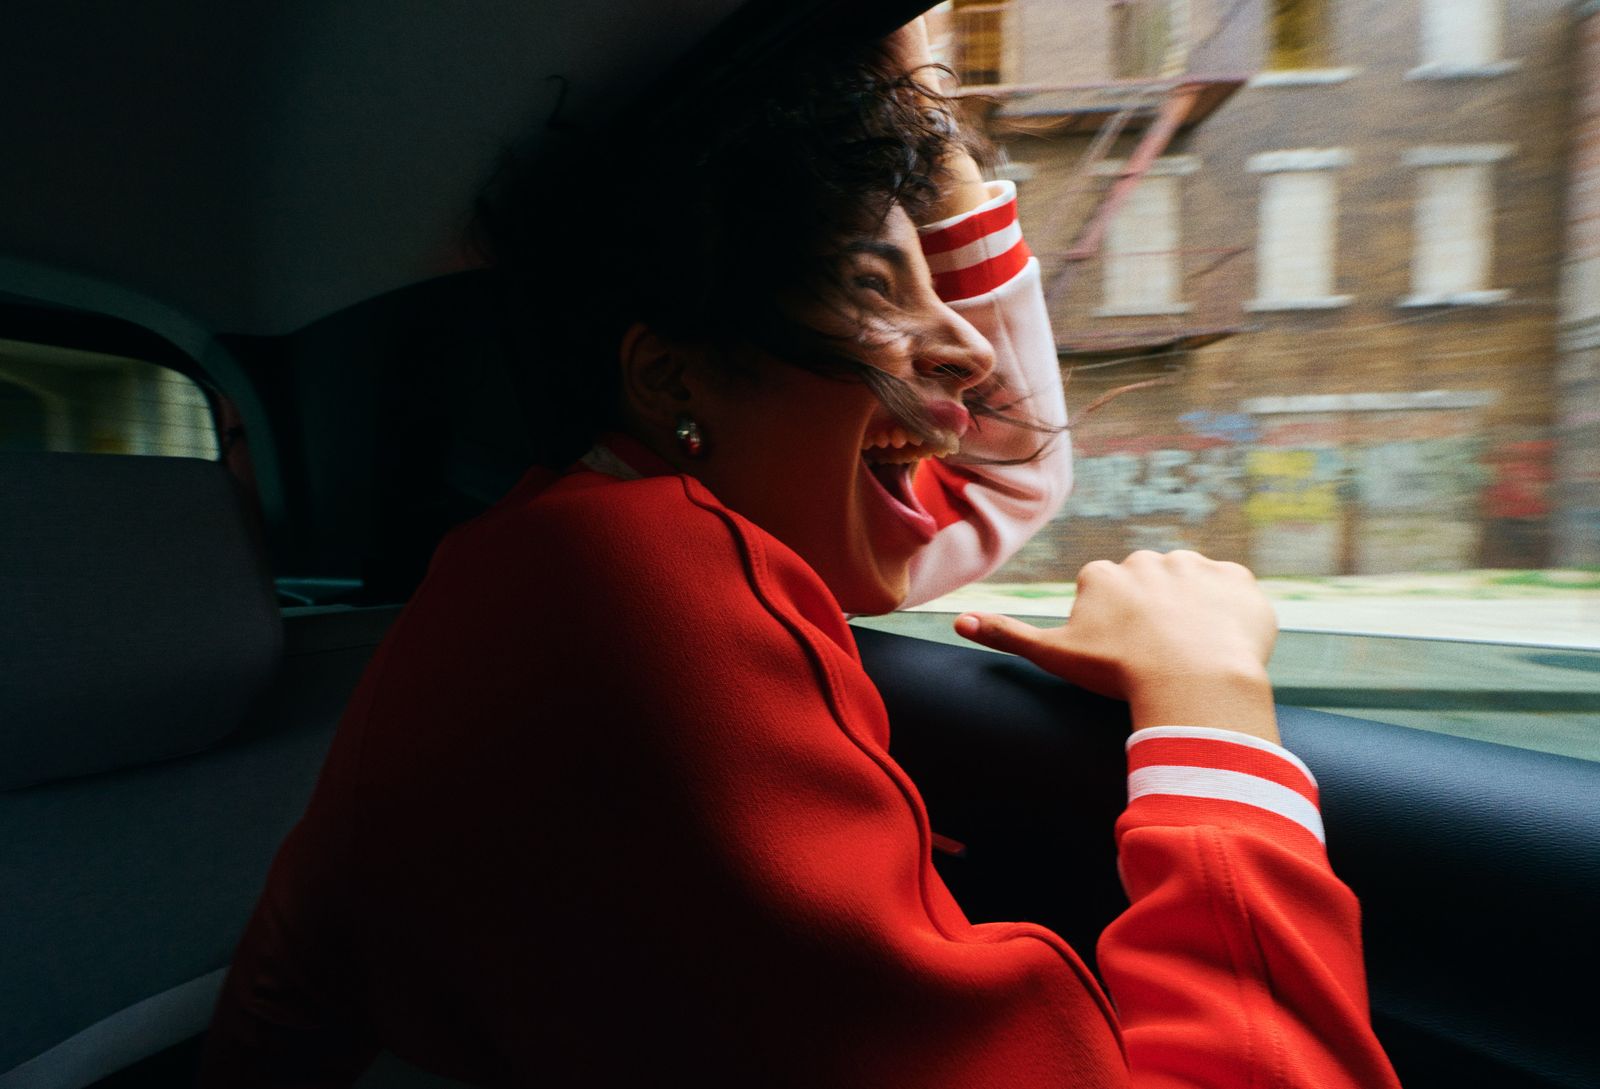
[1138, 625]
[1000, 633]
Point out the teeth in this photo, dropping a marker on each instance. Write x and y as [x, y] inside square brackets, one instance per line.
[895, 447]
[896, 437]
[896, 457]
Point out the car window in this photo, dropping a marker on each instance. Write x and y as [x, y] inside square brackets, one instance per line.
[1545, 698]
[1321, 277]
[66, 400]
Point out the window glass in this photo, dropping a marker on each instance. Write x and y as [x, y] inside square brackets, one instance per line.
[1545, 698]
[1150, 37]
[1460, 33]
[1454, 242]
[65, 400]
[1343, 326]
[1299, 34]
[1452, 230]
[1298, 228]
[1141, 267]
[979, 40]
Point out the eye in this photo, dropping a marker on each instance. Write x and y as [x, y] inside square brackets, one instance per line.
[873, 283]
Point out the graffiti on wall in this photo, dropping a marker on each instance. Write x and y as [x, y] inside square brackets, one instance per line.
[1182, 476]
[1433, 475]
[1418, 479]
[1294, 485]
[1362, 488]
[1522, 477]
[1295, 510]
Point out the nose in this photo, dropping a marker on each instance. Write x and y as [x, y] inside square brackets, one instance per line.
[955, 355]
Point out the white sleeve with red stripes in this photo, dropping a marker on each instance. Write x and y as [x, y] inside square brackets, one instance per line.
[983, 268]
[1239, 959]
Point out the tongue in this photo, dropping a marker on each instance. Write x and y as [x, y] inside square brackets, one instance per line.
[896, 481]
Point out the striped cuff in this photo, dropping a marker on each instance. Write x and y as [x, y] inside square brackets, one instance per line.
[973, 253]
[1200, 775]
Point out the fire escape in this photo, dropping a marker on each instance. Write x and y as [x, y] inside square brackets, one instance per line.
[1152, 98]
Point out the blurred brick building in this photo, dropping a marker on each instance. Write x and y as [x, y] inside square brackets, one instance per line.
[1324, 240]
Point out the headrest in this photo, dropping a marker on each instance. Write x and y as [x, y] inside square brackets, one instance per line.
[137, 617]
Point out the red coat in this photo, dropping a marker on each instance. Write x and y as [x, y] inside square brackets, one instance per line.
[613, 806]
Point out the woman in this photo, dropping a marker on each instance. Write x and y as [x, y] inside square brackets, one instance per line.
[613, 805]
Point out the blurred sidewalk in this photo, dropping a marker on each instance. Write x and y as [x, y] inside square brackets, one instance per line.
[1556, 607]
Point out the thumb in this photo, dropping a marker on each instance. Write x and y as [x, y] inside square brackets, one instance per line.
[1004, 633]
[1059, 651]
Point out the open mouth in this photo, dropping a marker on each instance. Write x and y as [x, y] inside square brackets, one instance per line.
[891, 456]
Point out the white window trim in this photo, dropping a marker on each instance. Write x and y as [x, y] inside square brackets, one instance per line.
[1445, 70]
[1370, 402]
[1307, 158]
[1457, 154]
[1488, 297]
[1165, 167]
[1142, 311]
[1317, 302]
[1302, 77]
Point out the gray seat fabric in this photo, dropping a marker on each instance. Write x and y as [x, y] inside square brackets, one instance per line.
[161, 731]
[136, 615]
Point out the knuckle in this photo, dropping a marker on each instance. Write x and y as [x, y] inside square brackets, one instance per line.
[1095, 568]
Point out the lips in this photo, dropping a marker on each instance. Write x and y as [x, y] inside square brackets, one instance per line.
[951, 416]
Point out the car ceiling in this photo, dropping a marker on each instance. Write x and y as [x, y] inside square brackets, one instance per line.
[255, 166]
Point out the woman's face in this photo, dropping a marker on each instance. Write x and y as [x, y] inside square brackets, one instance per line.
[820, 463]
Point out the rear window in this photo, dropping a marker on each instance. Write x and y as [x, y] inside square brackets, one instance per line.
[67, 400]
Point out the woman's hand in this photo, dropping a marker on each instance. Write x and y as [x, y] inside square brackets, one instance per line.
[1184, 639]
[907, 53]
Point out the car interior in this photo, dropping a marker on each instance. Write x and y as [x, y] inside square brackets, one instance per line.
[269, 201]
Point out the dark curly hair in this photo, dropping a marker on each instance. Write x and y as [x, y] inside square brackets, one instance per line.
[697, 216]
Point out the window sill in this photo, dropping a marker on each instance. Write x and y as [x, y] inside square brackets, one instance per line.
[1319, 302]
[1464, 71]
[1150, 310]
[1455, 298]
[1302, 77]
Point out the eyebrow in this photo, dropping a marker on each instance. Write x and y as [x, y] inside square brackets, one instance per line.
[887, 250]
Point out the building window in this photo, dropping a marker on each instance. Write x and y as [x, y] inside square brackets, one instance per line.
[1297, 230]
[62, 400]
[1461, 38]
[1454, 234]
[1142, 271]
[1299, 34]
[979, 40]
[1150, 38]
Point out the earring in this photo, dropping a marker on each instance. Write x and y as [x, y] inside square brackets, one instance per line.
[690, 437]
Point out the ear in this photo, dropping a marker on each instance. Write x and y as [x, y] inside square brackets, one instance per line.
[654, 387]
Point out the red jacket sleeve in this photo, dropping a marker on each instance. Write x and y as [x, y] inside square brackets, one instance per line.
[1239, 961]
